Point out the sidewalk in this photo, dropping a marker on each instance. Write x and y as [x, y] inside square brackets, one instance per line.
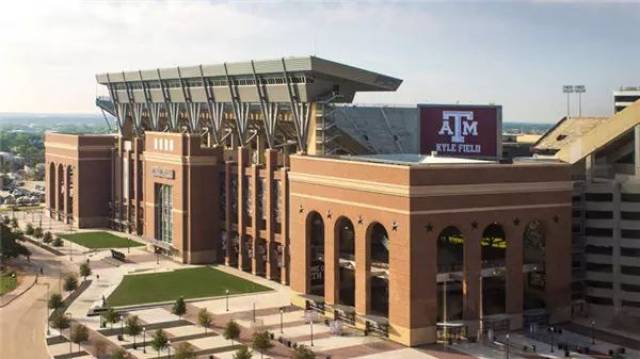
[26, 283]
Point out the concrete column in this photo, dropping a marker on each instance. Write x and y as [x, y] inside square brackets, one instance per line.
[271, 161]
[243, 160]
[514, 275]
[58, 191]
[363, 259]
[256, 257]
[636, 149]
[588, 164]
[65, 195]
[228, 165]
[471, 282]
[331, 265]
[136, 184]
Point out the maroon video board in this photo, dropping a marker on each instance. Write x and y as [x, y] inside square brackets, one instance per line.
[461, 130]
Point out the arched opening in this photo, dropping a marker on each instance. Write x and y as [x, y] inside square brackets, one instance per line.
[221, 247]
[494, 251]
[61, 191]
[533, 254]
[69, 194]
[261, 253]
[247, 253]
[450, 264]
[379, 242]
[234, 250]
[315, 235]
[52, 186]
[345, 236]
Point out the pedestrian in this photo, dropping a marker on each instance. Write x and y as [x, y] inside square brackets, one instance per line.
[41, 270]
[97, 276]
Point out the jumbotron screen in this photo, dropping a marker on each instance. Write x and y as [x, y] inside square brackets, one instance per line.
[461, 130]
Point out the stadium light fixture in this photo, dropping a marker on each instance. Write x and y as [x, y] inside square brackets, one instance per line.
[568, 89]
[579, 89]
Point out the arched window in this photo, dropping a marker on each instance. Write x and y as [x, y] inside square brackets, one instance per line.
[450, 250]
[315, 235]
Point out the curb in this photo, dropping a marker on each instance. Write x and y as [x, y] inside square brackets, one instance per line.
[21, 293]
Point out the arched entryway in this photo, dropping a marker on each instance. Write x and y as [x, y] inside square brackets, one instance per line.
[68, 204]
[494, 252]
[315, 239]
[52, 187]
[450, 264]
[379, 250]
[533, 254]
[345, 236]
[60, 190]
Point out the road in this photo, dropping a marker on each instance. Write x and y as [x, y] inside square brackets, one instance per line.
[22, 322]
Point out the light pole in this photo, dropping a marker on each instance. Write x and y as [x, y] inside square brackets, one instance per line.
[227, 298]
[254, 313]
[568, 89]
[593, 333]
[579, 89]
[144, 340]
[508, 344]
[281, 325]
[551, 331]
[444, 309]
[481, 308]
[169, 348]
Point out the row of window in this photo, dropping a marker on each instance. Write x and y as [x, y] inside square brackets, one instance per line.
[608, 232]
[608, 268]
[237, 81]
[606, 215]
[608, 197]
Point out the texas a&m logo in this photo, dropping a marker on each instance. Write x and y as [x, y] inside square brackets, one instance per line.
[458, 125]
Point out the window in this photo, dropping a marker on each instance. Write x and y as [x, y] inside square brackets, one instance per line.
[630, 215]
[599, 197]
[599, 284]
[163, 209]
[599, 215]
[599, 250]
[598, 232]
[630, 197]
[630, 270]
[599, 300]
[630, 252]
[630, 287]
[630, 233]
[630, 303]
[599, 267]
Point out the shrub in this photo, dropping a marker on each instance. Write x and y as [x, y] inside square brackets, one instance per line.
[37, 232]
[185, 351]
[47, 238]
[261, 342]
[57, 242]
[303, 352]
[231, 331]
[55, 301]
[85, 270]
[179, 308]
[70, 282]
[243, 353]
[59, 320]
[14, 222]
[29, 230]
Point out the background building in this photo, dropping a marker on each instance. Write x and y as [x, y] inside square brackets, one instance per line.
[624, 97]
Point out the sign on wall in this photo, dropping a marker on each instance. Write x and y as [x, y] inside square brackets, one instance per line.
[461, 130]
[163, 173]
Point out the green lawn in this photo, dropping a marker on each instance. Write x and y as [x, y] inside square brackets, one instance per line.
[100, 240]
[7, 284]
[188, 283]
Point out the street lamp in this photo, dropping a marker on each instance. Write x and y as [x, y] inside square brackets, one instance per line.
[593, 333]
[68, 314]
[144, 340]
[227, 298]
[551, 331]
[281, 313]
[508, 344]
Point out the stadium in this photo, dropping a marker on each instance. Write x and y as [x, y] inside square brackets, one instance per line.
[402, 221]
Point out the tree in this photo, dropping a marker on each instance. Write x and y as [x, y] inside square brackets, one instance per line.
[14, 222]
[70, 282]
[6, 220]
[57, 242]
[159, 341]
[179, 308]
[243, 353]
[204, 319]
[261, 342]
[303, 352]
[37, 232]
[120, 354]
[79, 334]
[133, 327]
[231, 331]
[59, 320]
[55, 301]
[29, 230]
[85, 270]
[47, 237]
[9, 246]
[185, 351]
[111, 317]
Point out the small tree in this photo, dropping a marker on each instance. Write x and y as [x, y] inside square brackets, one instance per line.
[37, 232]
[243, 353]
[231, 331]
[261, 342]
[70, 282]
[185, 351]
[179, 308]
[55, 301]
[59, 320]
[29, 230]
[120, 354]
[47, 238]
[79, 334]
[57, 242]
[133, 328]
[6, 220]
[303, 352]
[159, 341]
[204, 319]
[85, 270]
[111, 317]
[14, 222]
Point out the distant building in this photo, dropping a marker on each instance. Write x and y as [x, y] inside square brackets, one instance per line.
[625, 97]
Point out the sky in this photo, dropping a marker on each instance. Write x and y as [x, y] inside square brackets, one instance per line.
[517, 54]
